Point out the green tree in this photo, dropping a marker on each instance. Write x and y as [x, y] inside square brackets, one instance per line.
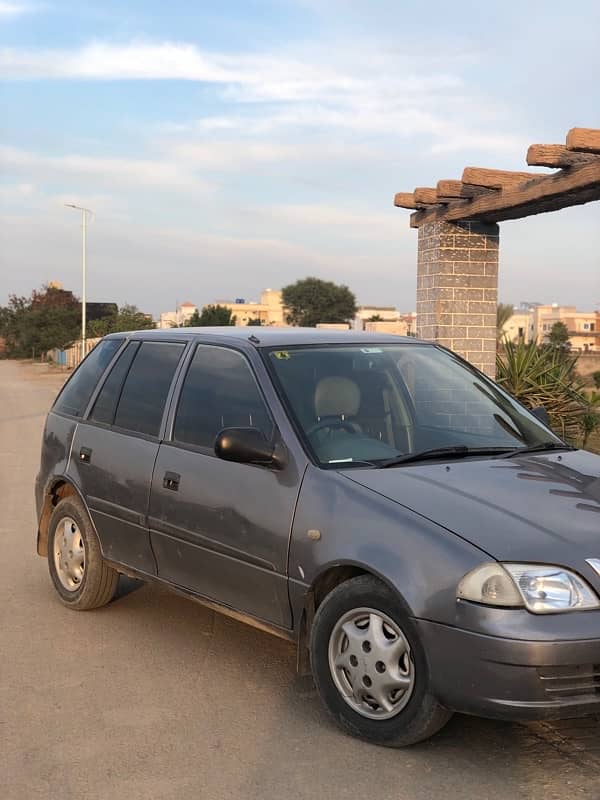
[216, 315]
[590, 422]
[194, 320]
[558, 338]
[254, 322]
[127, 318]
[31, 326]
[311, 301]
[376, 318]
[596, 378]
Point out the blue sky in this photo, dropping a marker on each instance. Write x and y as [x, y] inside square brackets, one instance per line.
[229, 147]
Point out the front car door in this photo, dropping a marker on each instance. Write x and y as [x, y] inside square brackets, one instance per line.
[218, 528]
[115, 448]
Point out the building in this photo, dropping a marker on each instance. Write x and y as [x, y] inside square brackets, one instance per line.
[583, 326]
[536, 323]
[384, 313]
[177, 318]
[519, 328]
[269, 310]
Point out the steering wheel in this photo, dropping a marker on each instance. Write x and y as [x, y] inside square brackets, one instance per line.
[332, 423]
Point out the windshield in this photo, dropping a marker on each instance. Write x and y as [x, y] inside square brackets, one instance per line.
[354, 404]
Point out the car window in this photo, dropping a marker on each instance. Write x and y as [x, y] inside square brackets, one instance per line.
[219, 391]
[106, 402]
[146, 387]
[77, 392]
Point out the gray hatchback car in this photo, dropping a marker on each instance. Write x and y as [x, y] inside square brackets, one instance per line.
[428, 544]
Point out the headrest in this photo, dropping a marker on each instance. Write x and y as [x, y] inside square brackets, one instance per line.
[336, 396]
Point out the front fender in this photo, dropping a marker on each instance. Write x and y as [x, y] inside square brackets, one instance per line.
[419, 560]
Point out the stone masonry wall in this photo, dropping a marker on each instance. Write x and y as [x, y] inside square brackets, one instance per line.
[457, 289]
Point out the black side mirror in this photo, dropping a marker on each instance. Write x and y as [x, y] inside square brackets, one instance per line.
[539, 412]
[247, 446]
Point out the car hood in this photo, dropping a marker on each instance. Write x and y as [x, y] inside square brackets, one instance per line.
[543, 508]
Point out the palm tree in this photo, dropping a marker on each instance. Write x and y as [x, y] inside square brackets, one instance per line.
[541, 376]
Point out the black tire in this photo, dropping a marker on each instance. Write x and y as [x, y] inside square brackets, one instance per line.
[422, 716]
[99, 581]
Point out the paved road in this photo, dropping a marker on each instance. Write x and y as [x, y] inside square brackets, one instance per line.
[156, 697]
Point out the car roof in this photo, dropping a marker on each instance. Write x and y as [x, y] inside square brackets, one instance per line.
[260, 336]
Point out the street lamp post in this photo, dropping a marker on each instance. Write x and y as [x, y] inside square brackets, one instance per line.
[84, 213]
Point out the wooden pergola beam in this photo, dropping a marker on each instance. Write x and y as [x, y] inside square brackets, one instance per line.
[556, 155]
[496, 178]
[571, 187]
[425, 196]
[459, 190]
[405, 200]
[584, 139]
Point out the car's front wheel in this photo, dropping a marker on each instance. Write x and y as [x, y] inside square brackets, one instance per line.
[369, 666]
[80, 576]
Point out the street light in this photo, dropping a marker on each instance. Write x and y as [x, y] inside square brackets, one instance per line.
[84, 213]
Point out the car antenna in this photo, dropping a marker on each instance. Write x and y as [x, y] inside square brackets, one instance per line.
[254, 339]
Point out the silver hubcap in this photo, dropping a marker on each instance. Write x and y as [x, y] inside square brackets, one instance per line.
[371, 664]
[69, 554]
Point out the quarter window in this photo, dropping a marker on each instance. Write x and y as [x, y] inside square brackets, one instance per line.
[219, 392]
[106, 402]
[77, 392]
[146, 387]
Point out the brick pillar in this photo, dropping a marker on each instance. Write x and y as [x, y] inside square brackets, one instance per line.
[457, 289]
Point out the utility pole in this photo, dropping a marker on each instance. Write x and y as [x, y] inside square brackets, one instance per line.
[84, 213]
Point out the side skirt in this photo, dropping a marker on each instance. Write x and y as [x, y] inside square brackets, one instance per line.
[240, 616]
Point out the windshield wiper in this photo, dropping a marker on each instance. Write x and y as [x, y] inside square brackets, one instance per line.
[539, 448]
[455, 451]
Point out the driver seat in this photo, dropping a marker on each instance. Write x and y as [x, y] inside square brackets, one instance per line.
[339, 397]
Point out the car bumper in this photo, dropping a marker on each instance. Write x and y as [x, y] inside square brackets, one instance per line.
[512, 679]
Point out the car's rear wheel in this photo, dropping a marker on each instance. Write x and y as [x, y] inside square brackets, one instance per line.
[369, 666]
[80, 576]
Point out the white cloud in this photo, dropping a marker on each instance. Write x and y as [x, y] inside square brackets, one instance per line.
[120, 171]
[372, 92]
[356, 223]
[11, 10]
[203, 266]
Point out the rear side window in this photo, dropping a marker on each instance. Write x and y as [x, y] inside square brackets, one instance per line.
[77, 392]
[106, 402]
[146, 387]
[219, 391]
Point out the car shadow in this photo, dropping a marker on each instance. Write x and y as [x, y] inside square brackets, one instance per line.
[127, 586]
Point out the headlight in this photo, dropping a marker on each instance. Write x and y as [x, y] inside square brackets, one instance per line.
[540, 589]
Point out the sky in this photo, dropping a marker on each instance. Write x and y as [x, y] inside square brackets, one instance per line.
[229, 147]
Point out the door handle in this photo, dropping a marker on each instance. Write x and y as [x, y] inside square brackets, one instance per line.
[85, 455]
[171, 481]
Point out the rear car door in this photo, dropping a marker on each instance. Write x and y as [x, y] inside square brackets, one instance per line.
[218, 528]
[115, 448]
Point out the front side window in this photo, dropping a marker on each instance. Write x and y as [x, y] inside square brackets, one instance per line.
[146, 387]
[77, 391]
[380, 402]
[219, 392]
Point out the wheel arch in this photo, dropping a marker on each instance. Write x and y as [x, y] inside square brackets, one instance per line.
[58, 488]
[330, 577]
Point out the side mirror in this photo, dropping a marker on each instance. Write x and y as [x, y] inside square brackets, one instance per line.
[247, 446]
[540, 413]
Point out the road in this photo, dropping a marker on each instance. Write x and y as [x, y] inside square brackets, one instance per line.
[156, 697]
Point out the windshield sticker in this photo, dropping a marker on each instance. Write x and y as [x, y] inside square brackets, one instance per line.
[282, 355]
[369, 350]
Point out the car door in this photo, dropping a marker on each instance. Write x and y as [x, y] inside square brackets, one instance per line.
[115, 448]
[218, 528]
